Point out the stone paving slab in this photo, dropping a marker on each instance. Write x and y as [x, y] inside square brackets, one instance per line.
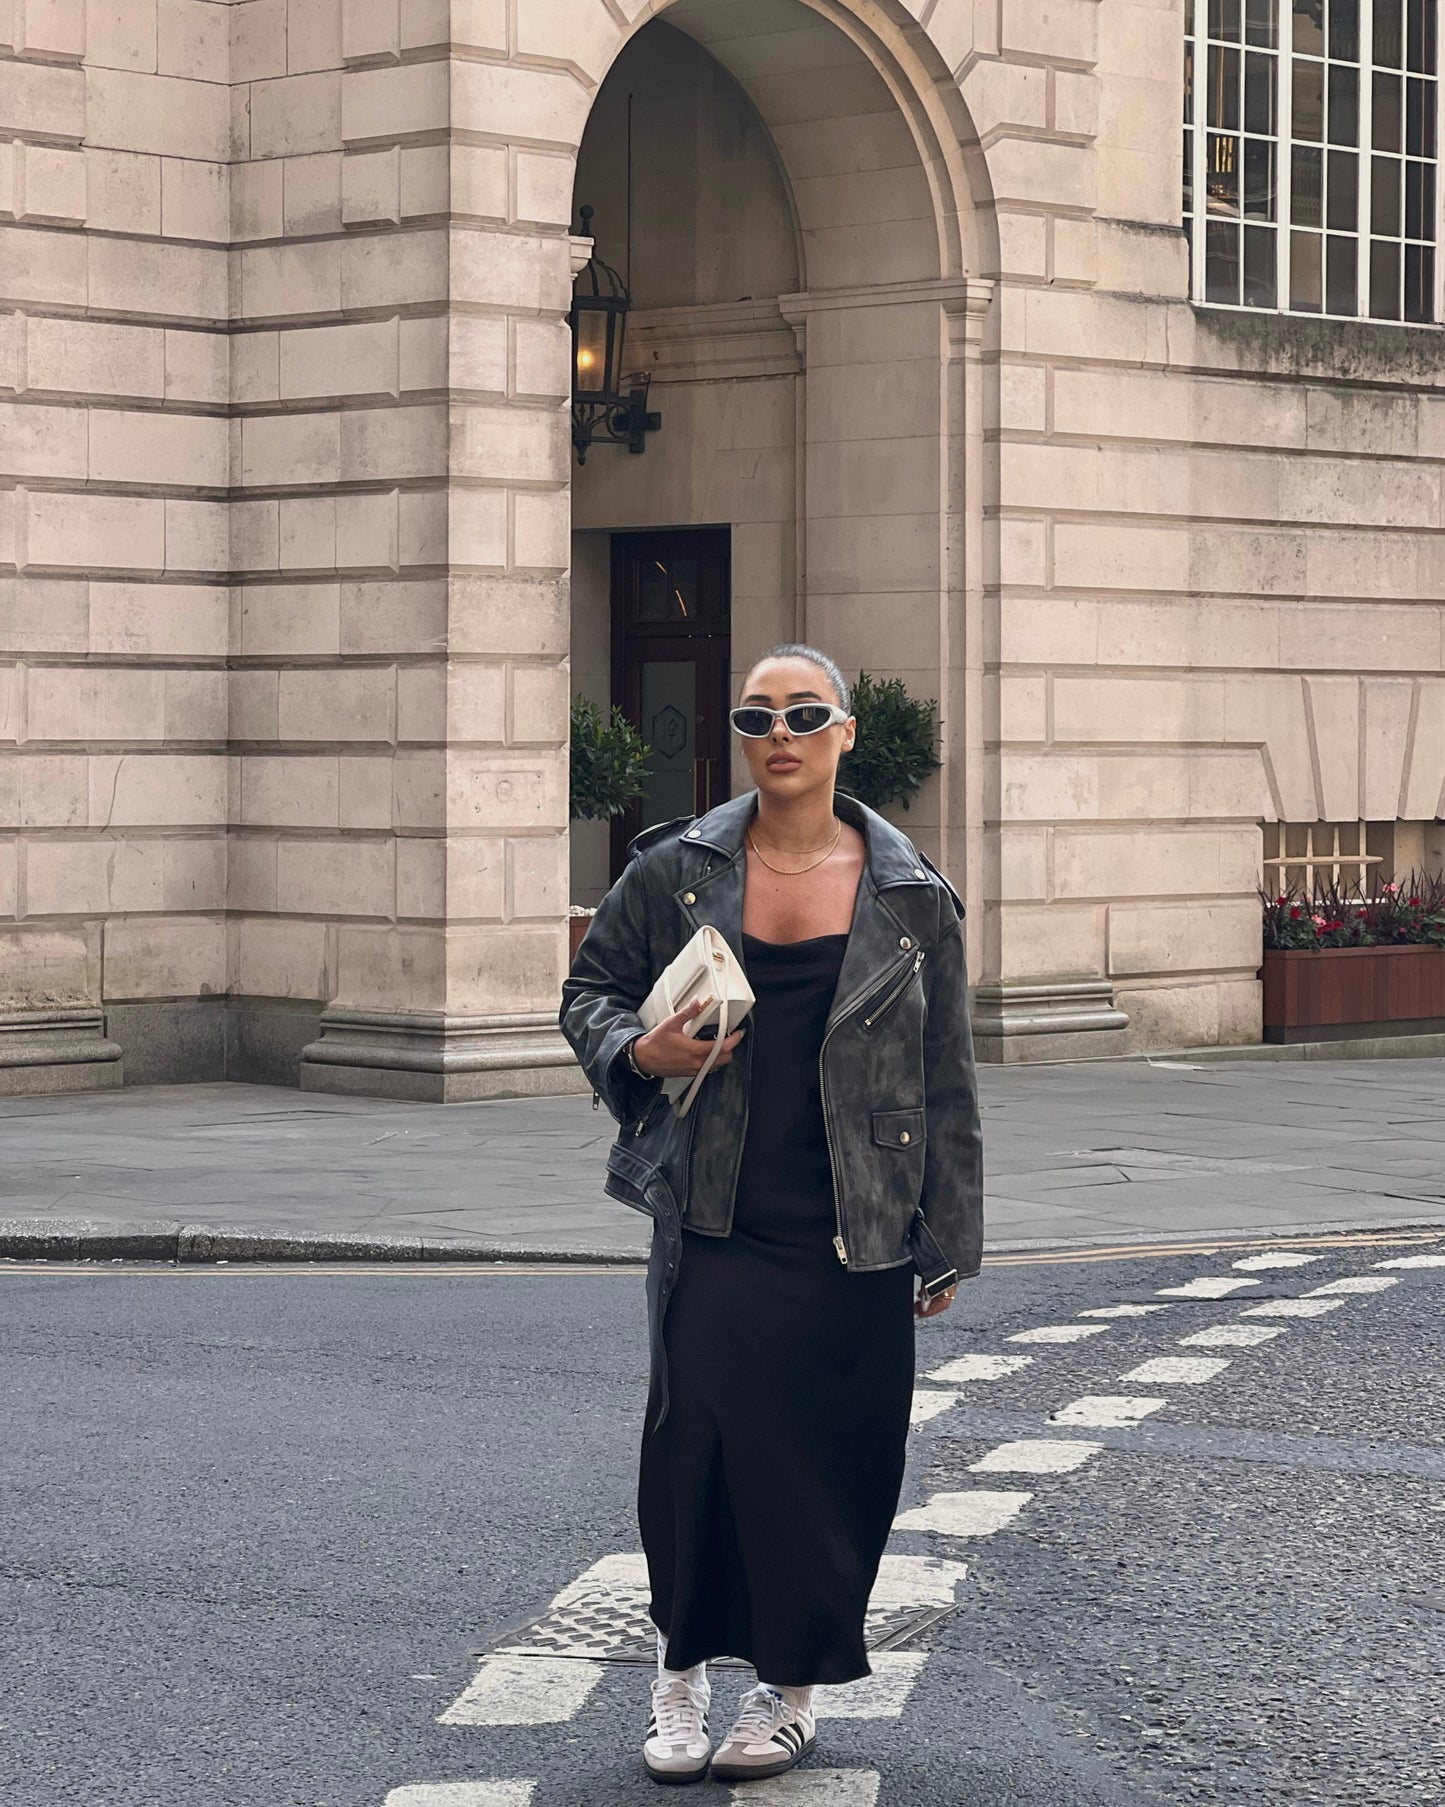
[1097, 1152]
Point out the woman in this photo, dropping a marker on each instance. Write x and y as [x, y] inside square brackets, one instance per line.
[832, 1151]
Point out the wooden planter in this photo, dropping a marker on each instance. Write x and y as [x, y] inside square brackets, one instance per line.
[577, 927]
[1329, 994]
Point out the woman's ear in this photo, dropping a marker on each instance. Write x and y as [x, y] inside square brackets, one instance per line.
[850, 734]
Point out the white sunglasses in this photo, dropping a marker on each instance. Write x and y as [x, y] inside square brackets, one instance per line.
[755, 722]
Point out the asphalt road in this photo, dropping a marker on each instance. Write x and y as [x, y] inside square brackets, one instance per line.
[255, 1523]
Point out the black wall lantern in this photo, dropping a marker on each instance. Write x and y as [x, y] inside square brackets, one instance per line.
[605, 404]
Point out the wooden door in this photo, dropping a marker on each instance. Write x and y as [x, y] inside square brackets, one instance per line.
[671, 655]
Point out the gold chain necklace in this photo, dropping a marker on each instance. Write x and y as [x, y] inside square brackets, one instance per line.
[796, 871]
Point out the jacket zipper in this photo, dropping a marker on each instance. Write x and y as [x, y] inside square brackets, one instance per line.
[897, 991]
[840, 1241]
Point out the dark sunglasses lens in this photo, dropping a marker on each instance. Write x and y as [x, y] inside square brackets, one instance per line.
[807, 718]
[754, 723]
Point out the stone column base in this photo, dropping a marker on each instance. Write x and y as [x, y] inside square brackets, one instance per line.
[436, 1059]
[1070, 1019]
[56, 1050]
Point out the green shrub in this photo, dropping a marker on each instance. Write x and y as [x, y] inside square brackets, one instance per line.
[897, 743]
[608, 762]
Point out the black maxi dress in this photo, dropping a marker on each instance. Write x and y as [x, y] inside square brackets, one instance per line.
[766, 1497]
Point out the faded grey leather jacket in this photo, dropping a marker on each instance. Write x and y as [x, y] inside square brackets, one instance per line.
[900, 1100]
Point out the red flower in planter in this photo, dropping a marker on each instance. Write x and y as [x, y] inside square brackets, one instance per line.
[1414, 903]
[1295, 912]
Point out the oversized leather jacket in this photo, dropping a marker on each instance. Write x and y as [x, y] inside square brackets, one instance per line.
[899, 1096]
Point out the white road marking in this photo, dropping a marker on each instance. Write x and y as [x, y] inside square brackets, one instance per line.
[881, 1695]
[1058, 1333]
[1040, 1455]
[1359, 1283]
[917, 1581]
[1414, 1261]
[1121, 1311]
[812, 1788]
[625, 1570]
[1231, 1336]
[1106, 1411]
[524, 1690]
[461, 1794]
[979, 1367]
[1205, 1288]
[928, 1402]
[1187, 1370]
[1255, 1264]
[964, 1514]
[1292, 1308]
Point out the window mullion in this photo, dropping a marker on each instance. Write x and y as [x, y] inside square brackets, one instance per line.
[1367, 133]
[1437, 163]
[1196, 151]
[1284, 160]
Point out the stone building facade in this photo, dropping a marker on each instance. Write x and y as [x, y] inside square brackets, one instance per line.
[298, 570]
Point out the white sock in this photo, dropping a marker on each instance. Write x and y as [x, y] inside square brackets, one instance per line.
[696, 1677]
[799, 1699]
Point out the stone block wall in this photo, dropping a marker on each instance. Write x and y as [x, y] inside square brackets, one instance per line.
[114, 221]
[1216, 595]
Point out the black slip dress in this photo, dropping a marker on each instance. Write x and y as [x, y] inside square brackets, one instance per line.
[766, 1497]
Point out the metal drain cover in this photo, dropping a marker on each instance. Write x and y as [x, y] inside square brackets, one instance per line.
[608, 1623]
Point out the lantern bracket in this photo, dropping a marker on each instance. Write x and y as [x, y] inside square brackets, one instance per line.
[606, 405]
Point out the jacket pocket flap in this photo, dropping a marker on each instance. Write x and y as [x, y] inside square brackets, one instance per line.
[898, 1129]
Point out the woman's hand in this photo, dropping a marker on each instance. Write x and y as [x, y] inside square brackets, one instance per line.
[936, 1306]
[668, 1052]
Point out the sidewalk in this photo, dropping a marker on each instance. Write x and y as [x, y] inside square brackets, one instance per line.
[1109, 1151]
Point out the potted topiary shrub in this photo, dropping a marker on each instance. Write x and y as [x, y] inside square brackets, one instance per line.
[607, 772]
[897, 743]
[1339, 961]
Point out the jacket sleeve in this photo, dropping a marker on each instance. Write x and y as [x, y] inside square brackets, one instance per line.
[610, 978]
[952, 1201]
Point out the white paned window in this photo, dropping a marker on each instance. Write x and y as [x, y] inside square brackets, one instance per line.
[1310, 155]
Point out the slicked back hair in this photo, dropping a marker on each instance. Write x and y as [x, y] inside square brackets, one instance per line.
[830, 668]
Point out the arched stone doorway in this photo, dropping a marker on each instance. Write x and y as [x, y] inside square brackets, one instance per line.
[802, 256]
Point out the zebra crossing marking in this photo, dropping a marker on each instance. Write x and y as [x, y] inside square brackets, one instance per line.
[523, 1690]
[1183, 1370]
[976, 1514]
[1106, 1411]
[812, 1788]
[1357, 1283]
[928, 1402]
[1206, 1287]
[905, 1580]
[1292, 1308]
[1120, 1311]
[1037, 1455]
[979, 1367]
[1232, 1336]
[881, 1695]
[1255, 1264]
[1058, 1333]
[461, 1794]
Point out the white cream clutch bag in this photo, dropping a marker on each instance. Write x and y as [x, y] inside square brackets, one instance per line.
[706, 968]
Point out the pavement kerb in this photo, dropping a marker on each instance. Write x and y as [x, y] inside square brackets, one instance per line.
[73, 1239]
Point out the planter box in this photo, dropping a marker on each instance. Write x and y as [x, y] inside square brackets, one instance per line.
[577, 927]
[1332, 993]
